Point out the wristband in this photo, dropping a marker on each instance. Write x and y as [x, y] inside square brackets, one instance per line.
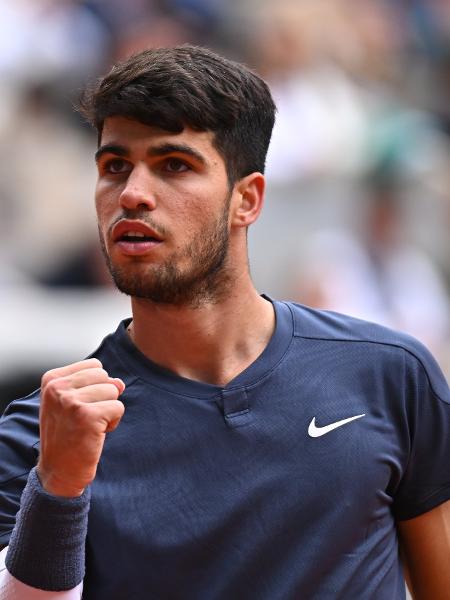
[47, 545]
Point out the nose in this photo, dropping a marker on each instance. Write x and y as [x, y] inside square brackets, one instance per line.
[138, 191]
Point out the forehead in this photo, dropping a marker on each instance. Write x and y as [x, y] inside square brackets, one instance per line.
[136, 135]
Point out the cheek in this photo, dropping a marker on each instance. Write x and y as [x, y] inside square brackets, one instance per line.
[104, 220]
[199, 207]
[98, 198]
[195, 224]
[100, 209]
[188, 212]
[103, 205]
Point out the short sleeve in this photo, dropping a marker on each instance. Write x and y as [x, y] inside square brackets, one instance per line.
[19, 441]
[426, 480]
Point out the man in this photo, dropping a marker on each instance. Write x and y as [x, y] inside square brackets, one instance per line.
[220, 444]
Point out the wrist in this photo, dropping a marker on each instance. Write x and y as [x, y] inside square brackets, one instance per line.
[56, 486]
[47, 546]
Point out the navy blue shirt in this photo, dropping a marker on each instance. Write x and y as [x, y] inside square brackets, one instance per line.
[214, 493]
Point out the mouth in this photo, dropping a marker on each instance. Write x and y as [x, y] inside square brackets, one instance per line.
[135, 238]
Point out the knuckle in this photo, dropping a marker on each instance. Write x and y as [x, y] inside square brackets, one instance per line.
[80, 414]
[47, 377]
[65, 399]
[53, 387]
[66, 396]
[57, 390]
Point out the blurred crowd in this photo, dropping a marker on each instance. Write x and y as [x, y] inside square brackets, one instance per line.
[357, 214]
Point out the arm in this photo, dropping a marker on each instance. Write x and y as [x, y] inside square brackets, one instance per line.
[46, 549]
[425, 545]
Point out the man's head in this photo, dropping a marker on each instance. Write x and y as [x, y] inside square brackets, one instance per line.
[183, 135]
[189, 86]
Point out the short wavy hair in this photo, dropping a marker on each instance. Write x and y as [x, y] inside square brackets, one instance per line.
[172, 88]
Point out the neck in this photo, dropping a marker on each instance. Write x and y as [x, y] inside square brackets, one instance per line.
[213, 342]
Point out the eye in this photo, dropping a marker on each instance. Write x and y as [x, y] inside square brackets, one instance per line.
[116, 166]
[175, 165]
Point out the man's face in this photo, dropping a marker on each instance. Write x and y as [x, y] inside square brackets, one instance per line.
[163, 203]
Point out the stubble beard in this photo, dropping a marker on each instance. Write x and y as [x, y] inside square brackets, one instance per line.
[206, 281]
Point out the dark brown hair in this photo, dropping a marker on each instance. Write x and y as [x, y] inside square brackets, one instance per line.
[172, 88]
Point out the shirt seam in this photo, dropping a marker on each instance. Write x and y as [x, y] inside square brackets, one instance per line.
[388, 344]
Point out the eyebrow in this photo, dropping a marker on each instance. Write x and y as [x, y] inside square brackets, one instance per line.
[170, 148]
[110, 149]
[161, 150]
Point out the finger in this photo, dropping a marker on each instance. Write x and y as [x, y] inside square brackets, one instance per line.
[87, 377]
[120, 385]
[98, 392]
[89, 363]
[109, 412]
[92, 376]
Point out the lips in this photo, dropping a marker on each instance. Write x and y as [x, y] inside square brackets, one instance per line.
[134, 229]
[135, 238]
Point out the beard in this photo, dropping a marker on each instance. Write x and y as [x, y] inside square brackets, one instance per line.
[206, 280]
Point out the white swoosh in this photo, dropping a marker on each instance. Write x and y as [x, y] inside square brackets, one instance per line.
[315, 431]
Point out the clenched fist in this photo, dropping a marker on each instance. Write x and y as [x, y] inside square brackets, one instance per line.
[79, 405]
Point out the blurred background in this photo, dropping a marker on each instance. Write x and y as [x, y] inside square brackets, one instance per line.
[357, 213]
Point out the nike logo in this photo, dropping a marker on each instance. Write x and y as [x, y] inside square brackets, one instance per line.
[315, 431]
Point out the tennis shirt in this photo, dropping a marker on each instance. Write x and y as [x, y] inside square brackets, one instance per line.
[284, 484]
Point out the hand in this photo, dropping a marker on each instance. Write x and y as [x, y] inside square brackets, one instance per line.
[79, 405]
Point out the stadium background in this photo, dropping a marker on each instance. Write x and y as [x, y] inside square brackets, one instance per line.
[357, 213]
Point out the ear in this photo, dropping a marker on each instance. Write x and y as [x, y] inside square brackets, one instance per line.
[248, 199]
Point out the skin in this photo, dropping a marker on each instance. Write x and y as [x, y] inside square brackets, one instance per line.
[79, 406]
[425, 544]
[210, 338]
[194, 268]
[210, 335]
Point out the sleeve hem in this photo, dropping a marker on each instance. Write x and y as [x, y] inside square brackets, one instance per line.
[435, 500]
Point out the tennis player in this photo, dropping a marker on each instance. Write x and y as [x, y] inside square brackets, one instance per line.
[220, 444]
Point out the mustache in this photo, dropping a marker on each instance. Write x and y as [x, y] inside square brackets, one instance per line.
[143, 217]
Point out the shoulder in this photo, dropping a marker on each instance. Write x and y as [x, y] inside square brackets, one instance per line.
[24, 411]
[21, 417]
[371, 341]
[19, 436]
[19, 449]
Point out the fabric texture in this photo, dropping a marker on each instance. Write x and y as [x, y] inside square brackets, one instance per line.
[209, 493]
[46, 549]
